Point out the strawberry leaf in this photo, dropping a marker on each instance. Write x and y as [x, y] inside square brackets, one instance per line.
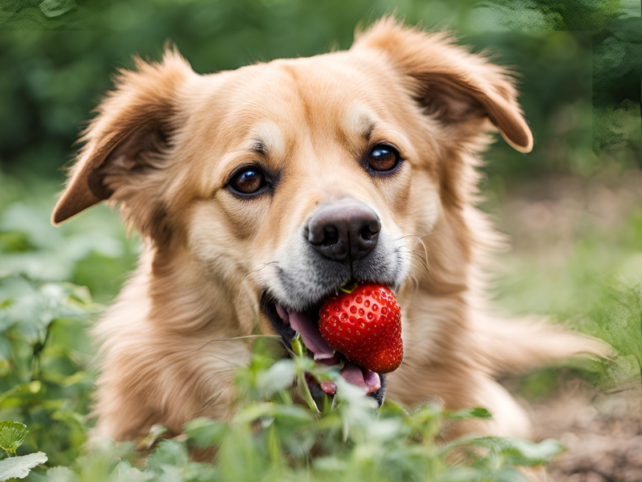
[349, 288]
[12, 434]
[297, 345]
[19, 467]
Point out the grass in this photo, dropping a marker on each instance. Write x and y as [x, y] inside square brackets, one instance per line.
[51, 280]
[582, 269]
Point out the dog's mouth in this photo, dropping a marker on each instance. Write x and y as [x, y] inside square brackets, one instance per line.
[289, 322]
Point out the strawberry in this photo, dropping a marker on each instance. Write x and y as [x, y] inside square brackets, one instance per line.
[365, 326]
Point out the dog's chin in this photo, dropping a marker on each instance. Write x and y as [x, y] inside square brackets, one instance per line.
[288, 322]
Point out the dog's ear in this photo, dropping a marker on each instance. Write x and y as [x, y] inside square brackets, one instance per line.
[127, 141]
[452, 84]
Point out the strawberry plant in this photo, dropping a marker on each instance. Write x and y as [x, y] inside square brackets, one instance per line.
[12, 435]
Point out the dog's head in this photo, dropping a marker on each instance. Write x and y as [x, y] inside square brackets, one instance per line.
[284, 181]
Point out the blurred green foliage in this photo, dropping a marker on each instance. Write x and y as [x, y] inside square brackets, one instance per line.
[272, 440]
[93, 252]
[46, 372]
[580, 63]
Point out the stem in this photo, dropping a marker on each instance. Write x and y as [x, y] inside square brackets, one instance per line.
[305, 392]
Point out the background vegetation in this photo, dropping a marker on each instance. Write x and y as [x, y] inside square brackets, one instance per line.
[573, 207]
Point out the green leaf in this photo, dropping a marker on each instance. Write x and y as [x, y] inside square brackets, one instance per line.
[467, 413]
[330, 464]
[200, 472]
[12, 434]
[253, 412]
[278, 377]
[27, 388]
[509, 474]
[304, 390]
[61, 474]
[169, 452]
[629, 30]
[56, 8]
[349, 288]
[156, 431]
[391, 407]
[460, 474]
[427, 413]
[292, 414]
[19, 467]
[521, 452]
[286, 413]
[205, 432]
[5, 347]
[297, 345]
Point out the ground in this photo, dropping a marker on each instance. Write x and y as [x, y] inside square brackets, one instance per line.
[602, 434]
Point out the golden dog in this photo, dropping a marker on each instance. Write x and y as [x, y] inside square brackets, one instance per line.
[259, 192]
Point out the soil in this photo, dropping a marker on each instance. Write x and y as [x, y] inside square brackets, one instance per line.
[602, 434]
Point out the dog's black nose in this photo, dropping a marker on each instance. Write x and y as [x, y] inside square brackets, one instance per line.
[344, 230]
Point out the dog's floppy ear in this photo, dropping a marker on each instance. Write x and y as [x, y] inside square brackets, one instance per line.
[452, 84]
[127, 139]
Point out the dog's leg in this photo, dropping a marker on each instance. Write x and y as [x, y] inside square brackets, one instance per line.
[509, 419]
[167, 380]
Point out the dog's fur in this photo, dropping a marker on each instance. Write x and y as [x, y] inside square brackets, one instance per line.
[162, 148]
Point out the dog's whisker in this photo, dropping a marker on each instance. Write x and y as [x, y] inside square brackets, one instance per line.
[239, 338]
[415, 257]
[212, 400]
[404, 362]
[251, 273]
[411, 342]
[423, 263]
[287, 348]
[225, 370]
[226, 361]
[416, 283]
[425, 254]
[412, 236]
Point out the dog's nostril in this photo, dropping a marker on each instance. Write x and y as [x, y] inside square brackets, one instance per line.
[367, 234]
[370, 231]
[330, 236]
[327, 236]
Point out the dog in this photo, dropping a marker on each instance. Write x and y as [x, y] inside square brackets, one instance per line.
[260, 192]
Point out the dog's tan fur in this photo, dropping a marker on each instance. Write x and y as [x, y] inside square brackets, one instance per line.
[166, 140]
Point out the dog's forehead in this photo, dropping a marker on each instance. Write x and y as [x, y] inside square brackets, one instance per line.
[274, 104]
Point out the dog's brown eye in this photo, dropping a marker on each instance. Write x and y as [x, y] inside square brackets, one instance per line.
[248, 180]
[383, 158]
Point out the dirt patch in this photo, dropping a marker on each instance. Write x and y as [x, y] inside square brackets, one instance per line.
[602, 433]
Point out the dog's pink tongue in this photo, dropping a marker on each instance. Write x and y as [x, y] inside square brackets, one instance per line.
[309, 330]
[361, 377]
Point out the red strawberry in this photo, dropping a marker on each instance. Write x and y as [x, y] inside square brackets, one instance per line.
[365, 326]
